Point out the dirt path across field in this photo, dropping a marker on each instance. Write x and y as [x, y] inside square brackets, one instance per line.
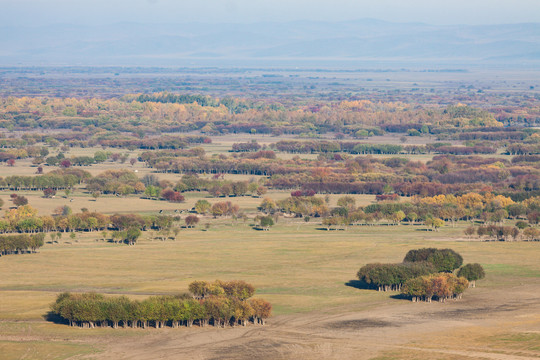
[455, 329]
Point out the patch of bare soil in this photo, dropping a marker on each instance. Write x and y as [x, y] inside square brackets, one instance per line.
[360, 324]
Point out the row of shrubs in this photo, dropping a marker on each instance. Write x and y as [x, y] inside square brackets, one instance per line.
[219, 303]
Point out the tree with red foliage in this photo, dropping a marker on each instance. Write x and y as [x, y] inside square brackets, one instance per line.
[19, 200]
[49, 192]
[65, 163]
[173, 196]
[191, 221]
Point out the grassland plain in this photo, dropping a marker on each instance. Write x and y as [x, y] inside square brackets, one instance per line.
[300, 269]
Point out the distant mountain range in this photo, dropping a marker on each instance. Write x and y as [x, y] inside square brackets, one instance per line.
[362, 40]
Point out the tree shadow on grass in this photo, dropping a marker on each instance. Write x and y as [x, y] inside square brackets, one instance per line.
[359, 284]
[55, 318]
[400, 297]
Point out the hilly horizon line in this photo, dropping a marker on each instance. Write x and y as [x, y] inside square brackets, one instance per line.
[366, 19]
[369, 39]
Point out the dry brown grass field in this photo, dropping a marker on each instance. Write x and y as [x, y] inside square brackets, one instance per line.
[300, 268]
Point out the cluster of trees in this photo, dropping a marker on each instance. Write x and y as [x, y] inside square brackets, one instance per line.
[494, 232]
[246, 147]
[154, 156]
[221, 303]
[141, 222]
[215, 187]
[221, 208]
[235, 188]
[442, 286]
[19, 244]
[224, 208]
[296, 205]
[123, 182]
[18, 149]
[522, 230]
[391, 277]
[263, 154]
[172, 196]
[128, 236]
[444, 260]
[424, 274]
[472, 272]
[416, 263]
[18, 200]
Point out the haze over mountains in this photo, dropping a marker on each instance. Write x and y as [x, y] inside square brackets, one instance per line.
[365, 40]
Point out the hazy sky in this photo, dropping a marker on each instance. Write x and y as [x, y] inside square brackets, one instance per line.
[39, 12]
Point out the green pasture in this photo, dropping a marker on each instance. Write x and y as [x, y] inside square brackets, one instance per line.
[298, 267]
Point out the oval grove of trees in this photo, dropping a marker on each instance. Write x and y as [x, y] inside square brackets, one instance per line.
[424, 274]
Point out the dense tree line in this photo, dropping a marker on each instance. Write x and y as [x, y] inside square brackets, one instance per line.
[523, 149]
[164, 142]
[466, 150]
[57, 179]
[365, 175]
[323, 146]
[155, 156]
[494, 232]
[219, 303]
[18, 244]
[24, 219]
